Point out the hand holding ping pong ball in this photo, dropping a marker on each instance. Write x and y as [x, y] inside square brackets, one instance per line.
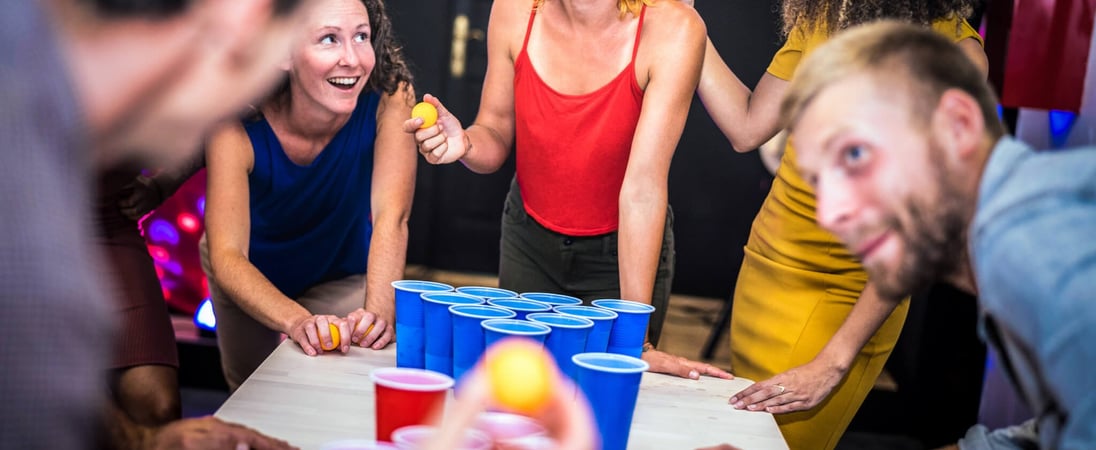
[427, 112]
[522, 375]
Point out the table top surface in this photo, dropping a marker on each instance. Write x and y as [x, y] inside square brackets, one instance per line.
[312, 400]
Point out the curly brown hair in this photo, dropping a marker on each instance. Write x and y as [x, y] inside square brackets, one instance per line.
[835, 15]
[391, 69]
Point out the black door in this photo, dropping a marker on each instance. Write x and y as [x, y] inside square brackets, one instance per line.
[715, 192]
[455, 220]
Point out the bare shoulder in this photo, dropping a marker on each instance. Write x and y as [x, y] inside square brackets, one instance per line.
[229, 144]
[508, 23]
[402, 99]
[228, 136]
[674, 22]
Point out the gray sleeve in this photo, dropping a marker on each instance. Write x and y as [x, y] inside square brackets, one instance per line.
[1016, 437]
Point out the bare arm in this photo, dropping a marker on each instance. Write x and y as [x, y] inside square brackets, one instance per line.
[747, 119]
[485, 145]
[390, 199]
[643, 194]
[679, 34]
[228, 231]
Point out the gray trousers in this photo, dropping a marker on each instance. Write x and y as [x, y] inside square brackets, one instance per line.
[244, 342]
[536, 259]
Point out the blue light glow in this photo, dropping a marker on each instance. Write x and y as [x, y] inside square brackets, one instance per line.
[162, 231]
[204, 317]
[1061, 122]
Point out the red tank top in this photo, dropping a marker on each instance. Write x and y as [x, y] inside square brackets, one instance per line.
[572, 150]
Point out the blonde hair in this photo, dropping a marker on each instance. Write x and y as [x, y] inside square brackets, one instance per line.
[625, 6]
[923, 62]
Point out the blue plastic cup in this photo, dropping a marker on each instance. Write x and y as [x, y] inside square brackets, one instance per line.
[486, 293]
[437, 319]
[495, 330]
[520, 306]
[552, 299]
[468, 340]
[630, 326]
[567, 339]
[410, 331]
[598, 339]
[611, 384]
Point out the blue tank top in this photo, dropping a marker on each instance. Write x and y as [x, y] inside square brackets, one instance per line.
[311, 224]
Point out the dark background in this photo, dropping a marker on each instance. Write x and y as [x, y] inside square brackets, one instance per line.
[715, 192]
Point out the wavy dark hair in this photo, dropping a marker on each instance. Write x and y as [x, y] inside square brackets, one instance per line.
[836, 15]
[391, 69]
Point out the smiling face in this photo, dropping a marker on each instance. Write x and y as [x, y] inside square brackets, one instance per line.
[886, 185]
[330, 67]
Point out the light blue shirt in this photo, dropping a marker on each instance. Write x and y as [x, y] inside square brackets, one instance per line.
[1033, 248]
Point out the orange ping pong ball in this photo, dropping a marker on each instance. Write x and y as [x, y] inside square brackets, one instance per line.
[427, 112]
[334, 338]
[521, 375]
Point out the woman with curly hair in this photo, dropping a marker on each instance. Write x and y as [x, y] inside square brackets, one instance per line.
[592, 95]
[807, 323]
[308, 203]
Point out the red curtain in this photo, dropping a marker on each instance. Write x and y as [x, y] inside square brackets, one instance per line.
[1048, 54]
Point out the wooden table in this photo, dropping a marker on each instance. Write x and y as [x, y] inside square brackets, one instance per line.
[311, 400]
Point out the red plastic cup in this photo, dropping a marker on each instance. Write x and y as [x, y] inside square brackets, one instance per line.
[407, 397]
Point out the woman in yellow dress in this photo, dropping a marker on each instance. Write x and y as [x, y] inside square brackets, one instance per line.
[807, 323]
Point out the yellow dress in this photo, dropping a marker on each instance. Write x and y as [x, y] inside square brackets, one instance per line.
[798, 283]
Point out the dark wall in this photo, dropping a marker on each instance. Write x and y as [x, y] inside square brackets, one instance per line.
[714, 191]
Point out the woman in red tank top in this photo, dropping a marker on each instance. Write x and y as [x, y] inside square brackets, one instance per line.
[594, 95]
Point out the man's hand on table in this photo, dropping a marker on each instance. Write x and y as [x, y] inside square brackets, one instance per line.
[211, 433]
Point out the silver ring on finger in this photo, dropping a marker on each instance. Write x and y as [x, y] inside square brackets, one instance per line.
[782, 389]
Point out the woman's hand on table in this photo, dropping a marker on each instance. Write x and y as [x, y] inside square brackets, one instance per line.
[798, 389]
[370, 330]
[313, 334]
[662, 362]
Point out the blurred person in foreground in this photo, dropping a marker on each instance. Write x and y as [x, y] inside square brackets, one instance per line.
[85, 84]
[898, 134]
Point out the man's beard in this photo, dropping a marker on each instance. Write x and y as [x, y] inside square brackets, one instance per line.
[934, 239]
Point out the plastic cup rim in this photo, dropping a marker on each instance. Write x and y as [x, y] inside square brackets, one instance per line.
[571, 300]
[444, 381]
[429, 296]
[519, 308]
[460, 311]
[583, 322]
[356, 443]
[641, 365]
[608, 313]
[508, 292]
[503, 419]
[397, 285]
[542, 328]
[646, 309]
[476, 435]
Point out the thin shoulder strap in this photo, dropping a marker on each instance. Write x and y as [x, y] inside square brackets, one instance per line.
[639, 31]
[529, 28]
